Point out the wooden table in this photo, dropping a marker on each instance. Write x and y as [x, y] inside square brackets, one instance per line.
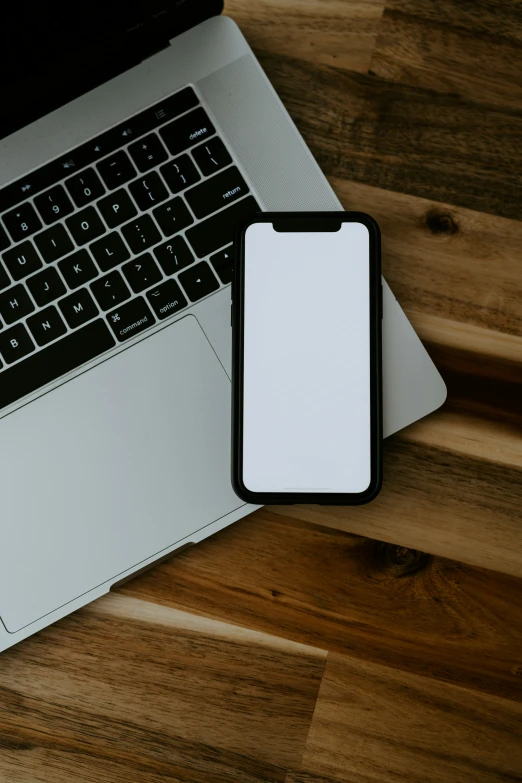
[312, 645]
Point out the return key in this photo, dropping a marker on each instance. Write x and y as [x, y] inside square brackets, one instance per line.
[216, 192]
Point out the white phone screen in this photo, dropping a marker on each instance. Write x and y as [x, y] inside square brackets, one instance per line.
[306, 384]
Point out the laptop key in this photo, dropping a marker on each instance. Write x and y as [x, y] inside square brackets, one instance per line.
[141, 272]
[53, 204]
[46, 325]
[116, 170]
[4, 239]
[22, 222]
[78, 269]
[54, 243]
[187, 131]
[140, 234]
[4, 278]
[15, 343]
[85, 225]
[148, 191]
[198, 281]
[46, 286]
[173, 216]
[218, 230]
[78, 308]
[166, 299]
[212, 156]
[85, 187]
[52, 362]
[223, 263]
[117, 208]
[130, 319]
[22, 260]
[216, 192]
[174, 255]
[15, 303]
[109, 251]
[176, 104]
[171, 107]
[180, 173]
[110, 290]
[148, 152]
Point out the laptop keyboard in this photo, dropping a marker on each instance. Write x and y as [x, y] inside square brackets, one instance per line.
[118, 234]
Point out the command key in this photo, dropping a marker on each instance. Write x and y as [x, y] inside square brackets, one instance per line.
[130, 319]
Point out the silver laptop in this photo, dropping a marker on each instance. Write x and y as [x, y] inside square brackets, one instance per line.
[132, 143]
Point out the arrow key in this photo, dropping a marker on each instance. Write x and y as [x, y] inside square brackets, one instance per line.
[198, 281]
[223, 262]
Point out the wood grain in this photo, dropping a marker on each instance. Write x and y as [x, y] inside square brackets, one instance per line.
[473, 340]
[211, 666]
[468, 436]
[443, 260]
[403, 138]
[472, 50]
[306, 777]
[127, 690]
[443, 264]
[341, 33]
[374, 724]
[350, 594]
[439, 501]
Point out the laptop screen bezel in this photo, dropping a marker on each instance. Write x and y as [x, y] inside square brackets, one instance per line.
[34, 82]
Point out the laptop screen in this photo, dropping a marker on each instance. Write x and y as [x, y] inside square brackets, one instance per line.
[54, 51]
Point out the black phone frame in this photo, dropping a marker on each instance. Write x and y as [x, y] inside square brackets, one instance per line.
[308, 221]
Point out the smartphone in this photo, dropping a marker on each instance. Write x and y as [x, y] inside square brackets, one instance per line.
[306, 385]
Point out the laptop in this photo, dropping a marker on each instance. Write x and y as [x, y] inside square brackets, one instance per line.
[134, 137]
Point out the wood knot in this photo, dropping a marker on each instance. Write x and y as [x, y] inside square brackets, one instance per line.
[441, 221]
[275, 593]
[400, 561]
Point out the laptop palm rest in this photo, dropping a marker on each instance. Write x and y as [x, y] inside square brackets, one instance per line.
[139, 448]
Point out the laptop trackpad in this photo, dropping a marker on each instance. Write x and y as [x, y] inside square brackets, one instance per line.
[111, 468]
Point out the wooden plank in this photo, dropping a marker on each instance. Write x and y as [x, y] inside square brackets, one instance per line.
[478, 438]
[403, 138]
[340, 592]
[472, 50]
[446, 261]
[374, 724]
[439, 501]
[475, 340]
[332, 32]
[443, 264]
[125, 690]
